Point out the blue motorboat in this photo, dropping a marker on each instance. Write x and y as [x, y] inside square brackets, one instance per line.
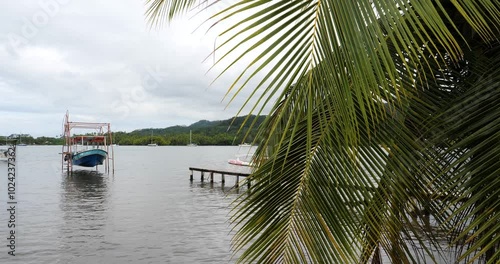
[89, 149]
[89, 158]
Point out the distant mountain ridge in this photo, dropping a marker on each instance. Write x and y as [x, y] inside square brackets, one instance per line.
[209, 127]
[203, 132]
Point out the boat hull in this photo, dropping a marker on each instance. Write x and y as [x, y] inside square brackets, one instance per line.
[89, 158]
[239, 162]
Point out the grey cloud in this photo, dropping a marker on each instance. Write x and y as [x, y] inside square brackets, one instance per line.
[98, 59]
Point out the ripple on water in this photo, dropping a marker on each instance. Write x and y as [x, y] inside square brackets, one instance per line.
[147, 212]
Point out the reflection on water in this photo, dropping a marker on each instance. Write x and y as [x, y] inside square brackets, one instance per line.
[146, 212]
[223, 189]
[84, 206]
[82, 186]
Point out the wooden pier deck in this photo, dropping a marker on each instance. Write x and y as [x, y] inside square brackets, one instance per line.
[223, 173]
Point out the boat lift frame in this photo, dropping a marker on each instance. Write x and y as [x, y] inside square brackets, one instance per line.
[100, 129]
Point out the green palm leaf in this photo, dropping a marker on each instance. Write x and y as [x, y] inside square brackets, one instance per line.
[362, 148]
[473, 155]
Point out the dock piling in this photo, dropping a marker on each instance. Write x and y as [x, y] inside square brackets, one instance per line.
[223, 175]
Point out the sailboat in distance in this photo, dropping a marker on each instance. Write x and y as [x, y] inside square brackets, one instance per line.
[151, 144]
[21, 141]
[191, 144]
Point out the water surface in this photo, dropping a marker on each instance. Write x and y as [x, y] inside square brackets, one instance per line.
[146, 212]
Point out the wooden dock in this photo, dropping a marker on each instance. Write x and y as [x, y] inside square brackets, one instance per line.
[223, 173]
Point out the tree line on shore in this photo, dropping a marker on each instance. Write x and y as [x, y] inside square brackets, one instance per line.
[203, 132]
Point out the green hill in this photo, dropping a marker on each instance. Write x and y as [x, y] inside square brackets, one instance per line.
[204, 132]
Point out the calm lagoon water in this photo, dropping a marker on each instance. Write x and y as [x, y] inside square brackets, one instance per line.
[146, 212]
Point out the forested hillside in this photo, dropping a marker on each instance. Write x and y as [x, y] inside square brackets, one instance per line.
[203, 132]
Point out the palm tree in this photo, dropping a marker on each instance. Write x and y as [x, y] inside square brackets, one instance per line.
[383, 140]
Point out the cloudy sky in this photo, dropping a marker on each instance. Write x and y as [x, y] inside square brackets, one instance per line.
[100, 61]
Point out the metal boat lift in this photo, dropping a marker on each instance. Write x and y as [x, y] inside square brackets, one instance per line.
[68, 148]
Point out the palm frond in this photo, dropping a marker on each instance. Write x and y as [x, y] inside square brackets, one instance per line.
[362, 148]
[472, 158]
